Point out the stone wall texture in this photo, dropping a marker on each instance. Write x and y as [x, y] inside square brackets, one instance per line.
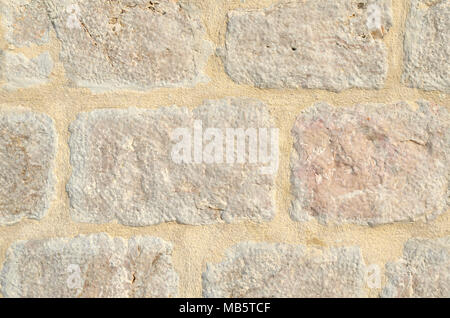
[226, 148]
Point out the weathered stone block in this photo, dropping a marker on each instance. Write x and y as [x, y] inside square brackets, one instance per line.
[26, 21]
[90, 266]
[371, 164]
[275, 270]
[27, 152]
[329, 44]
[424, 270]
[426, 45]
[21, 72]
[130, 44]
[124, 169]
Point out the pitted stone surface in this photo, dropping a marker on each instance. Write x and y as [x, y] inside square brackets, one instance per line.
[123, 168]
[424, 270]
[130, 44]
[426, 45]
[371, 164]
[328, 44]
[26, 21]
[20, 72]
[90, 266]
[275, 270]
[27, 152]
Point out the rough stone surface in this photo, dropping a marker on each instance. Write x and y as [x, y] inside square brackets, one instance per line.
[426, 45]
[424, 270]
[27, 152]
[130, 44]
[21, 72]
[26, 21]
[276, 270]
[371, 164]
[90, 266]
[123, 168]
[328, 44]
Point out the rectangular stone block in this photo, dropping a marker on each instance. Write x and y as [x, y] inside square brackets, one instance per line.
[130, 44]
[426, 45]
[136, 166]
[328, 44]
[89, 266]
[371, 164]
[260, 270]
[27, 152]
[423, 271]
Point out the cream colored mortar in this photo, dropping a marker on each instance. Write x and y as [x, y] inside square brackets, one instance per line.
[194, 246]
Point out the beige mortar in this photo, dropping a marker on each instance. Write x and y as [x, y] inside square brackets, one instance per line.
[194, 246]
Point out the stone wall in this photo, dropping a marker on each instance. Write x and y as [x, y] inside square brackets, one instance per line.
[343, 189]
